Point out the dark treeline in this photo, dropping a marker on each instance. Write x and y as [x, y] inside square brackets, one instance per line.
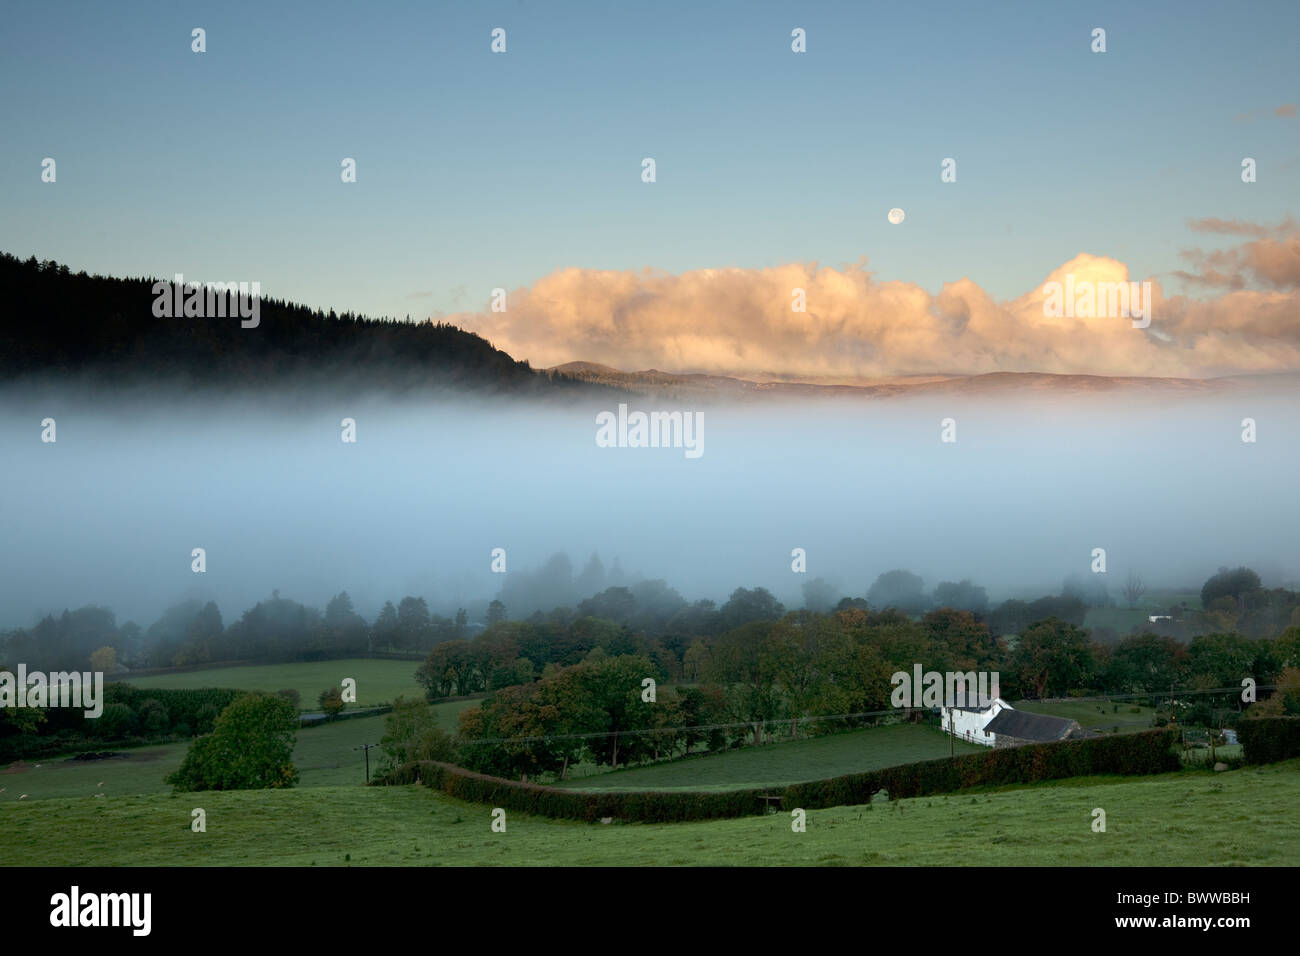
[641, 616]
[66, 323]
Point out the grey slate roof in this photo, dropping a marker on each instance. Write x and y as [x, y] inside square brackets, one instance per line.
[1027, 726]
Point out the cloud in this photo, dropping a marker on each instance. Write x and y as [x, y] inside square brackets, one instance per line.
[1238, 227]
[1285, 110]
[1271, 260]
[740, 321]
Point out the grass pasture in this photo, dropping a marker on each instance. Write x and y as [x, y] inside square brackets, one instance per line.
[1099, 715]
[812, 758]
[378, 681]
[324, 756]
[1239, 818]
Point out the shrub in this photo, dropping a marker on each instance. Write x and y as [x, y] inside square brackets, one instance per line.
[153, 717]
[250, 748]
[1269, 739]
[412, 734]
[292, 696]
[331, 701]
[117, 720]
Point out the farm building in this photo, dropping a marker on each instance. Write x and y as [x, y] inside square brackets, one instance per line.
[968, 723]
[1014, 728]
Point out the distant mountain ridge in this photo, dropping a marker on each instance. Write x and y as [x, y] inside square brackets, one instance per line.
[683, 385]
[73, 326]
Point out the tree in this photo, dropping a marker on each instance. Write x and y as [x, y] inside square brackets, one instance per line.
[412, 623]
[961, 596]
[1229, 583]
[899, 589]
[412, 732]
[742, 662]
[384, 633]
[292, 696]
[1053, 656]
[250, 748]
[496, 613]
[153, 717]
[745, 606]
[818, 595]
[104, 660]
[964, 643]
[1145, 663]
[696, 659]
[331, 701]
[19, 720]
[1134, 588]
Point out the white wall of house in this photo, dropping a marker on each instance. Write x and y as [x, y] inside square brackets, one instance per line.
[969, 725]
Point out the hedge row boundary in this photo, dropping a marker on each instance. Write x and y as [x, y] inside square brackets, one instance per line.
[1269, 739]
[1147, 752]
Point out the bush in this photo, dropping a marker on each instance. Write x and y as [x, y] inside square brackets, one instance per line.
[331, 701]
[292, 696]
[250, 748]
[1269, 739]
[412, 734]
[117, 720]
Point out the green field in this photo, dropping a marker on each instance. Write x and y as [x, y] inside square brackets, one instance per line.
[1125, 620]
[1100, 715]
[1243, 817]
[813, 758]
[378, 681]
[324, 755]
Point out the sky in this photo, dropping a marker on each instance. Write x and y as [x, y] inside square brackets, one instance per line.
[775, 171]
[478, 170]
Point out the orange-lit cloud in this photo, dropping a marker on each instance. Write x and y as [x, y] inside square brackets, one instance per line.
[740, 321]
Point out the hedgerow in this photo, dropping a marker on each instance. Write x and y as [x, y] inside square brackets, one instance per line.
[1142, 753]
[1269, 739]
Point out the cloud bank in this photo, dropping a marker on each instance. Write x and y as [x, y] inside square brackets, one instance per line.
[855, 327]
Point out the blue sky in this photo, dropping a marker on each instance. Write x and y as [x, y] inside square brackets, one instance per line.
[478, 170]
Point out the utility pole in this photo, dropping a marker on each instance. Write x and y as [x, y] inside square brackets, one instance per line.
[367, 748]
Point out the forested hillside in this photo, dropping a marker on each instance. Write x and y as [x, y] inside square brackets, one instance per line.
[61, 323]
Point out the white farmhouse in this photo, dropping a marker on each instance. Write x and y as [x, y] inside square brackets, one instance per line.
[968, 723]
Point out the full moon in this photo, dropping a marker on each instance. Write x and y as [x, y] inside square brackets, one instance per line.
[895, 216]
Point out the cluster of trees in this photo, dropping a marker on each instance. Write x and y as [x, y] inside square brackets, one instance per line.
[129, 714]
[106, 327]
[192, 632]
[793, 670]
[640, 617]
